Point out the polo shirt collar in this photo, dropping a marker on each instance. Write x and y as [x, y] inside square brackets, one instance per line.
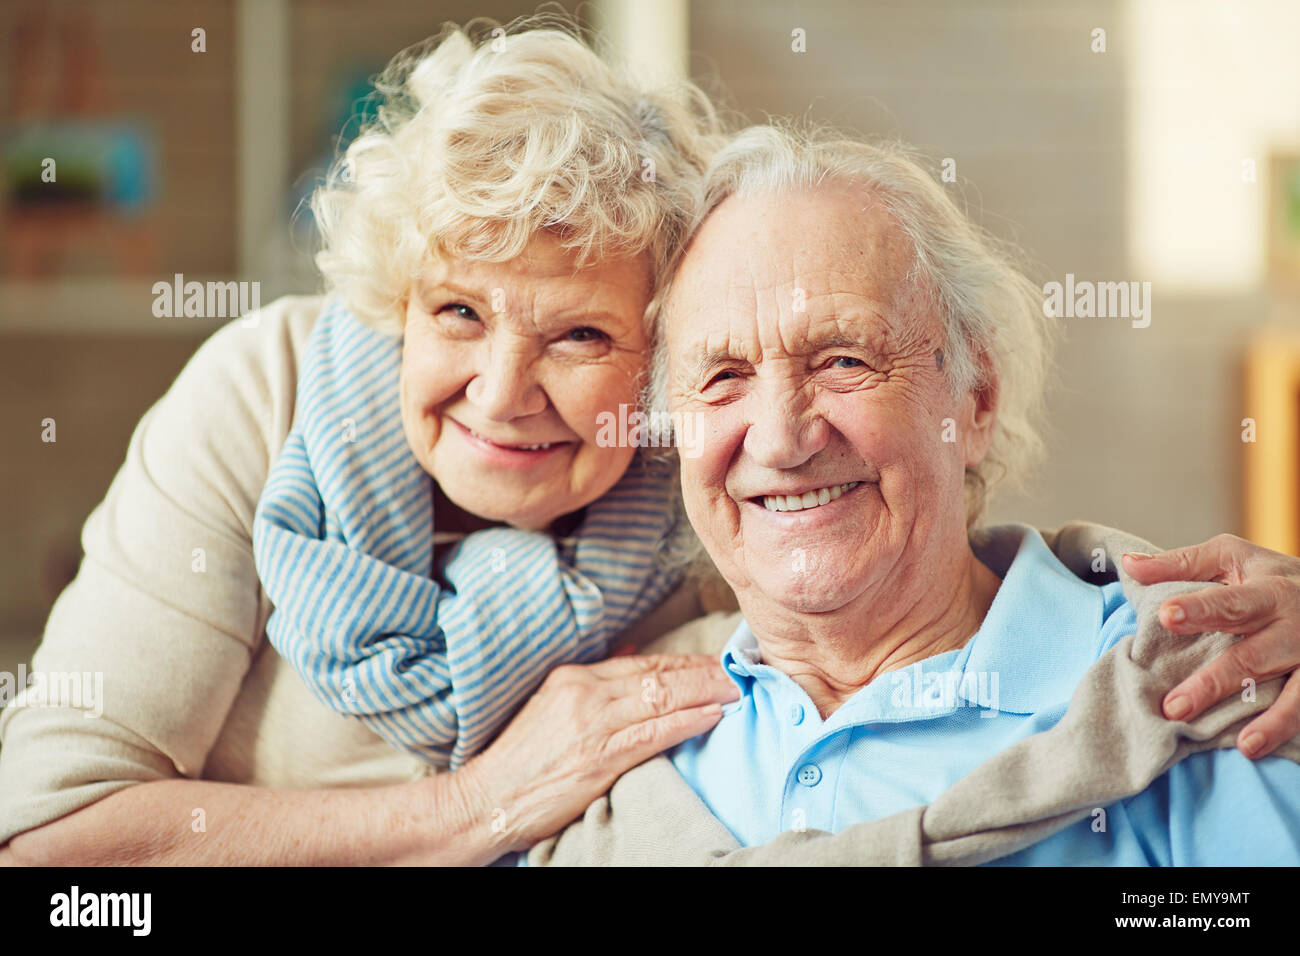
[740, 655]
[1042, 630]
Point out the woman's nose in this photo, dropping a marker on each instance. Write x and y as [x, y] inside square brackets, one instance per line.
[785, 430]
[505, 387]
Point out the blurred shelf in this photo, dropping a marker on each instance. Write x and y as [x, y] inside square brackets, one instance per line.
[110, 306]
[124, 306]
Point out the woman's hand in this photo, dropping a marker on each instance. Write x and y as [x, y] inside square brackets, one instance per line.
[583, 728]
[1261, 601]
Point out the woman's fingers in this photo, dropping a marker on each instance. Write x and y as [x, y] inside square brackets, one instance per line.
[623, 666]
[640, 741]
[1275, 726]
[1235, 609]
[1258, 658]
[1219, 558]
[644, 696]
[586, 725]
[1261, 601]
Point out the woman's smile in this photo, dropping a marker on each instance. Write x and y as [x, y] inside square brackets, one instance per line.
[521, 455]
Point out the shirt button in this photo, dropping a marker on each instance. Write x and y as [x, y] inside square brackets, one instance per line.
[796, 713]
[809, 775]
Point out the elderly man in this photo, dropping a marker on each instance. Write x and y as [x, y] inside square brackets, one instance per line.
[861, 365]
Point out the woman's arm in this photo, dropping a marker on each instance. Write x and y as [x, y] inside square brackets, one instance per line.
[584, 727]
[165, 613]
[432, 820]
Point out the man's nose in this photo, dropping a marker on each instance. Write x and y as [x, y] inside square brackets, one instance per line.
[505, 385]
[785, 428]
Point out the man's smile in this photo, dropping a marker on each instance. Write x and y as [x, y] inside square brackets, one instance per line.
[802, 501]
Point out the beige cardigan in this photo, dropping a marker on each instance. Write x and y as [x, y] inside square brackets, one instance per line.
[167, 605]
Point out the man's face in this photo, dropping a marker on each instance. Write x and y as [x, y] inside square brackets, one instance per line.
[814, 374]
[506, 368]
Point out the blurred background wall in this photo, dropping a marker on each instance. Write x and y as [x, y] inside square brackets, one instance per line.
[1162, 149]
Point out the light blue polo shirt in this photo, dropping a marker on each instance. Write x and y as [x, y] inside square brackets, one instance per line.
[772, 764]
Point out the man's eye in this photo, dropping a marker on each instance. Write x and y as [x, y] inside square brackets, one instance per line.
[586, 333]
[846, 361]
[722, 377]
[461, 311]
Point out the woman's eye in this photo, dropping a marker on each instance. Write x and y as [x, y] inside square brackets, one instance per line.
[845, 361]
[586, 334]
[461, 311]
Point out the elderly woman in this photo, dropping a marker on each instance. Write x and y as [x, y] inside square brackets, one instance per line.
[510, 216]
[862, 365]
[513, 217]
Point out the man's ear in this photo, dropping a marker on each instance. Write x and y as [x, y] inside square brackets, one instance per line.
[984, 412]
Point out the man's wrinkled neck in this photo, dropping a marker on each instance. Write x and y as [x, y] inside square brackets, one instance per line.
[910, 614]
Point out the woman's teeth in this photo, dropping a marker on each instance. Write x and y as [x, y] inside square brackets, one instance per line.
[512, 447]
[809, 499]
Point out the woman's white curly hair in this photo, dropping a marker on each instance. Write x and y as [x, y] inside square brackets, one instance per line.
[487, 135]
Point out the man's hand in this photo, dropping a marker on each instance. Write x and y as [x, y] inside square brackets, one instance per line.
[1261, 601]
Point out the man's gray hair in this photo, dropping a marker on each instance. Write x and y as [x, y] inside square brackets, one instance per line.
[991, 312]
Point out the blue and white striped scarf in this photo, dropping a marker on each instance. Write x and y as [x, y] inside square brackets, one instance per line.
[343, 542]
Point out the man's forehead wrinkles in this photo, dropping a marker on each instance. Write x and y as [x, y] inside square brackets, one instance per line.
[830, 291]
[843, 287]
[838, 332]
[773, 313]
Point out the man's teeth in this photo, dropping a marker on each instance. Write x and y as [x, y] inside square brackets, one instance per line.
[809, 499]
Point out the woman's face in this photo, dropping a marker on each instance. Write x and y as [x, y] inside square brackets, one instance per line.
[506, 367]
